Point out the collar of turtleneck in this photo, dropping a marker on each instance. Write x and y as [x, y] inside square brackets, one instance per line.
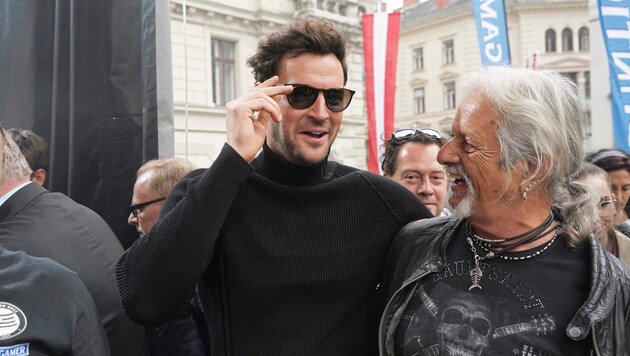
[278, 169]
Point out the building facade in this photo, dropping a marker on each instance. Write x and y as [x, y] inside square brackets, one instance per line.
[211, 41]
[438, 46]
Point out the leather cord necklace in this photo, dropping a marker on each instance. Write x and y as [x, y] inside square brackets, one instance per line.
[497, 247]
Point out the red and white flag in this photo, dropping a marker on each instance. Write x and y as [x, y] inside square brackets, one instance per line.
[380, 49]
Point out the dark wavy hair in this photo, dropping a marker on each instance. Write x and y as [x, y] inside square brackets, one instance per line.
[33, 147]
[307, 35]
[389, 158]
[610, 159]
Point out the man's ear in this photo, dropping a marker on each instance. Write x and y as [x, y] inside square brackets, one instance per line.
[39, 176]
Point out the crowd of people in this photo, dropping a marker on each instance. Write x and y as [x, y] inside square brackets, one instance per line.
[504, 239]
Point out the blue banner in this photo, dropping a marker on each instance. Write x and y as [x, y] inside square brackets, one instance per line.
[614, 16]
[492, 32]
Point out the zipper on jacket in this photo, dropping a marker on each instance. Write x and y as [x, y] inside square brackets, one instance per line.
[595, 344]
[385, 312]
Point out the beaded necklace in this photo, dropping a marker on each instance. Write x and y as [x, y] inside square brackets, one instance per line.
[497, 247]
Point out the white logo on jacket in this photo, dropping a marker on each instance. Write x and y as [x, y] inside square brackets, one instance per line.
[12, 321]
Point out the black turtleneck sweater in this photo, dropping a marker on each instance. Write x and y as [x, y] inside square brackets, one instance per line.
[289, 257]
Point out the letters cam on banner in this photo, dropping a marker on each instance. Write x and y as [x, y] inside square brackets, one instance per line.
[380, 49]
[492, 32]
[614, 16]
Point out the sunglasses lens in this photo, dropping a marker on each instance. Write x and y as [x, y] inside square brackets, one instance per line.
[302, 97]
[431, 132]
[404, 133]
[337, 100]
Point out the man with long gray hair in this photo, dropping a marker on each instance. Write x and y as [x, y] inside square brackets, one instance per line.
[516, 269]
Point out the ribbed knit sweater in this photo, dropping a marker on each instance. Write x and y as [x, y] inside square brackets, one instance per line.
[288, 257]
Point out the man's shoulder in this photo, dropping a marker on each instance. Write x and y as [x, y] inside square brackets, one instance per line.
[375, 179]
[55, 214]
[424, 228]
[31, 270]
[388, 187]
[383, 194]
[44, 205]
[74, 213]
[195, 173]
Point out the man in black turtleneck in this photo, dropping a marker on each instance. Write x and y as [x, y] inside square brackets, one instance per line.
[286, 246]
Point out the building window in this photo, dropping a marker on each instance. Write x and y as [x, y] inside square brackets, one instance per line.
[567, 40]
[418, 101]
[223, 77]
[587, 85]
[417, 59]
[584, 38]
[550, 40]
[448, 52]
[449, 95]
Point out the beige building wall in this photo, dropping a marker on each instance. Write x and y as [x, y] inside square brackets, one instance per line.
[428, 27]
[199, 122]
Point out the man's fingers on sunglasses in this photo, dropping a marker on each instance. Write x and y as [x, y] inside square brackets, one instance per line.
[267, 105]
[268, 83]
[278, 90]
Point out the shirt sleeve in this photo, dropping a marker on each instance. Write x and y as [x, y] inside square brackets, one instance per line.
[158, 273]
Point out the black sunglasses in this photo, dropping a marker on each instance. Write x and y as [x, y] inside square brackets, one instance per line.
[304, 96]
[408, 132]
[135, 208]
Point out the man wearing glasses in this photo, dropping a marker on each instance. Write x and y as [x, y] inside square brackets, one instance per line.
[286, 246]
[180, 335]
[154, 181]
[410, 158]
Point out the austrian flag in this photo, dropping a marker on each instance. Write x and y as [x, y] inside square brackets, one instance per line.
[380, 49]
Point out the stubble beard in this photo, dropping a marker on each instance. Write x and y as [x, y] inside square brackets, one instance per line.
[289, 149]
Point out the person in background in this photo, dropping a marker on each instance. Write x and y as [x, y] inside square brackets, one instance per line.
[614, 241]
[35, 149]
[286, 246]
[410, 158]
[45, 224]
[617, 164]
[154, 181]
[516, 269]
[46, 310]
[184, 334]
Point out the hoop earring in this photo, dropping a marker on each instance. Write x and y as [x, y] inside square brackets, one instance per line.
[529, 188]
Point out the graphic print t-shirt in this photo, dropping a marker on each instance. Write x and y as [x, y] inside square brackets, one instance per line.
[523, 308]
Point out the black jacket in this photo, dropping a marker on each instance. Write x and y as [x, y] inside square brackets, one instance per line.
[419, 251]
[47, 224]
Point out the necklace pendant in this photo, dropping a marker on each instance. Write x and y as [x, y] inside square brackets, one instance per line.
[475, 278]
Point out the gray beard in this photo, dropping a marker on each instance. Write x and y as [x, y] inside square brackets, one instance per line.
[465, 207]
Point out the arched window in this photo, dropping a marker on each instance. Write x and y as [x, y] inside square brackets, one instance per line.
[583, 35]
[567, 40]
[550, 40]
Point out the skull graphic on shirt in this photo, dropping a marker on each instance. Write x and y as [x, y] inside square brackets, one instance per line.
[464, 328]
